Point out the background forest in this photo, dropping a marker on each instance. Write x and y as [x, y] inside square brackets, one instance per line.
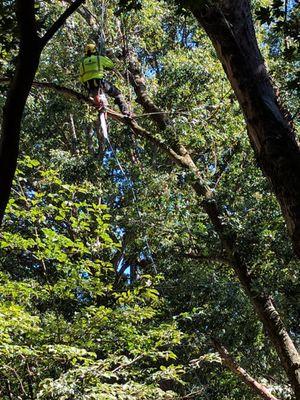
[118, 279]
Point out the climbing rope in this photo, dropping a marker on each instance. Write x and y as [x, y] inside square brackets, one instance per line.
[102, 39]
[104, 128]
[135, 201]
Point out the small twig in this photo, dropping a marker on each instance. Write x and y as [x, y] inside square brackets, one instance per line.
[128, 364]
[191, 395]
[8, 388]
[18, 378]
[227, 160]
[74, 140]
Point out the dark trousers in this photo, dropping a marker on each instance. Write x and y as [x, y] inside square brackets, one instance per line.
[94, 85]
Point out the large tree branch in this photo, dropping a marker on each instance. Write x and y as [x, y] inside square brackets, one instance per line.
[262, 302]
[138, 82]
[60, 21]
[27, 64]
[26, 22]
[230, 363]
[230, 27]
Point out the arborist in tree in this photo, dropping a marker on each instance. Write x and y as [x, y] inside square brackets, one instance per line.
[92, 68]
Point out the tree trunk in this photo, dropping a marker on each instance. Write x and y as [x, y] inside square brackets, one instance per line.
[31, 46]
[230, 27]
[11, 125]
[18, 92]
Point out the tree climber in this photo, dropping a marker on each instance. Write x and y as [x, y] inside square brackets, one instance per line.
[92, 69]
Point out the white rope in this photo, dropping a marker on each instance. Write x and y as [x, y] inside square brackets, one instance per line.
[135, 201]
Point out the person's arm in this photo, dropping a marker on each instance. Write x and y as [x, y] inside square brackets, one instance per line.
[81, 70]
[107, 62]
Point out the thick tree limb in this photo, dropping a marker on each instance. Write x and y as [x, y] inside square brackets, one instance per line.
[27, 65]
[230, 363]
[229, 25]
[26, 23]
[57, 88]
[138, 82]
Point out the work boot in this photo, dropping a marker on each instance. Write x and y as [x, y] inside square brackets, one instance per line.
[119, 100]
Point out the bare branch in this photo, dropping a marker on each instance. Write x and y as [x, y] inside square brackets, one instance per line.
[60, 21]
[202, 257]
[122, 366]
[230, 362]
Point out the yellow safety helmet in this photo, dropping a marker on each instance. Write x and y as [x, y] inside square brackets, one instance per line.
[90, 49]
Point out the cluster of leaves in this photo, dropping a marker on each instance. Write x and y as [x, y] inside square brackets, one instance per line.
[65, 328]
[283, 17]
[8, 33]
[127, 6]
[281, 21]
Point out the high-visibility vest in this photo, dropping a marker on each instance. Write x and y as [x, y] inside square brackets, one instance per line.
[93, 67]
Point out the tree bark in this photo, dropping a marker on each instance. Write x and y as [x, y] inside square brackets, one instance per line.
[138, 82]
[230, 363]
[229, 25]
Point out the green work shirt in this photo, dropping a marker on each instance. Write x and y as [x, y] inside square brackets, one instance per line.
[93, 67]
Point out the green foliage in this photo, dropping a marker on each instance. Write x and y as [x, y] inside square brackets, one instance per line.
[65, 329]
[83, 315]
[8, 34]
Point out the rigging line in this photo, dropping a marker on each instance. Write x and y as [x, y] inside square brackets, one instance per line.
[101, 22]
[89, 12]
[210, 116]
[126, 53]
[135, 200]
